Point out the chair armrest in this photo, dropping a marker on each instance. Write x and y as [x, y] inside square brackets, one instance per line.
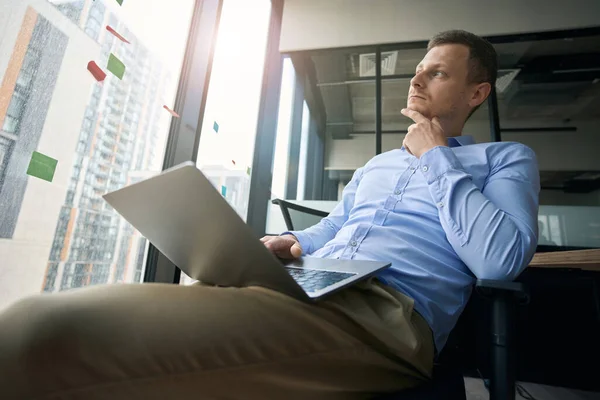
[491, 289]
[292, 206]
[286, 206]
[494, 285]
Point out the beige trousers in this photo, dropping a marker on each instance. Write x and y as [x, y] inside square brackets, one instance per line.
[158, 341]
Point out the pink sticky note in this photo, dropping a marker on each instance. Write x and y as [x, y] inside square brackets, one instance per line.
[111, 30]
[96, 71]
[173, 113]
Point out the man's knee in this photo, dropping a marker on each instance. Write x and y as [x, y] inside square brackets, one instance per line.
[37, 330]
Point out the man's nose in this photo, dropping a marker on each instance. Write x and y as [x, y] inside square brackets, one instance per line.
[417, 80]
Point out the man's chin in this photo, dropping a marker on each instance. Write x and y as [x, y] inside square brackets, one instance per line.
[412, 105]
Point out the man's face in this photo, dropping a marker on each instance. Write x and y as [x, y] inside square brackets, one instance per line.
[440, 86]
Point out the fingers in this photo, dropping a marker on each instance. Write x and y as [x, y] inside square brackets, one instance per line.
[436, 121]
[414, 115]
[283, 246]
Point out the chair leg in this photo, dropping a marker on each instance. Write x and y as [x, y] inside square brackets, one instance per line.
[502, 382]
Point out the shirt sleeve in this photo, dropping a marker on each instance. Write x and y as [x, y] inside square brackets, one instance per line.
[315, 237]
[493, 230]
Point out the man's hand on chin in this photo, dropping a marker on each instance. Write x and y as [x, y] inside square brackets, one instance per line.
[424, 134]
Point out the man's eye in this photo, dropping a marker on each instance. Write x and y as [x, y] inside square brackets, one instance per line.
[439, 73]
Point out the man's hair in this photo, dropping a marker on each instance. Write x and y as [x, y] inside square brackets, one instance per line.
[483, 60]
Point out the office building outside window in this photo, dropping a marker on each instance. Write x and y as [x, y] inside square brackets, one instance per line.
[60, 235]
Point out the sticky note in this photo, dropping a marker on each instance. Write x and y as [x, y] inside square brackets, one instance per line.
[224, 191]
[116, 66]
[248, 170]
[173, 113]
[120, 2]
[117, 35]
[42, 166]
[98, 74]
[216, 127]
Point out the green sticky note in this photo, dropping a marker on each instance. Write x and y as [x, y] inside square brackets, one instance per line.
[42, 166]
[216, 127]
[120, 2]
[116, 66]
[224, 191]
[248, 170]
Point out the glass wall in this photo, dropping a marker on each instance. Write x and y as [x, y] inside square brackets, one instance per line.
[345, 81]
[549, 99]
[66, 139]
[345, 93]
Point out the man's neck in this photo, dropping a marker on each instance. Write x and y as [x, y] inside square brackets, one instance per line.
[453, 132]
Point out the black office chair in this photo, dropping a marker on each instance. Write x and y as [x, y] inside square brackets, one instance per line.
[501, 299]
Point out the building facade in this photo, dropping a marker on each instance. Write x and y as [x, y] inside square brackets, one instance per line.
[115, 138]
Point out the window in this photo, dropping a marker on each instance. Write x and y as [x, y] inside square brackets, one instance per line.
[229, 128]
[61, 234]
[284, 131]
[226, 147]
[5, 147]
[22, 88]
[303, 152]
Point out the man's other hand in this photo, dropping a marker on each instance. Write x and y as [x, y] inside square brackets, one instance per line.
[285, 246]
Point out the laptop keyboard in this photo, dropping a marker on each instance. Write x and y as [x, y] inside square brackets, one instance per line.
[312, 280]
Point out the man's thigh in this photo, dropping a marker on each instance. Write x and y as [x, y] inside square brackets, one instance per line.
[169, 341]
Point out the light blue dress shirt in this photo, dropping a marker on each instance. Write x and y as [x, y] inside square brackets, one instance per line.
[458, 213]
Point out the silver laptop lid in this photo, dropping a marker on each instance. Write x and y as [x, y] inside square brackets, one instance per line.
[184, 216]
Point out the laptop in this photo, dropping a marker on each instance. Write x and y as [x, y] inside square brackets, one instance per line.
[182, 214]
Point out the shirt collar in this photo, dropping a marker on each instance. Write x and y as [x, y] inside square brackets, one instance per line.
[457, 141]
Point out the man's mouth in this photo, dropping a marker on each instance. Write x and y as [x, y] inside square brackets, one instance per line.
[416, 96]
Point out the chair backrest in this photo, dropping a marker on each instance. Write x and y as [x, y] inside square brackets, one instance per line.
[298, 217]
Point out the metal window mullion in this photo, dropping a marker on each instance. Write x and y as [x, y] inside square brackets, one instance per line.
[264, 147]
[378, 101]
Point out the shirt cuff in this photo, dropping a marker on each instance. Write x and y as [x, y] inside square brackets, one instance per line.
[437, 161]
[303, 239]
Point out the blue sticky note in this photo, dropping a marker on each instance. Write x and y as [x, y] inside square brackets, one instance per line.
[216, 127]
[224, 191]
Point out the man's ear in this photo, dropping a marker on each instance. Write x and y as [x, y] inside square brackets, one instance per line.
[480, 94]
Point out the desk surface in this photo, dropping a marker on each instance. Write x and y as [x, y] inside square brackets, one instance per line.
[580, 259]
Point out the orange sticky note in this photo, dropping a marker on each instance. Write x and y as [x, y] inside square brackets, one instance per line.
[96, 71]
[111, 30]
[173, 113]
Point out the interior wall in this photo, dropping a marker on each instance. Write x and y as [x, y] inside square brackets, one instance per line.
[318, 24]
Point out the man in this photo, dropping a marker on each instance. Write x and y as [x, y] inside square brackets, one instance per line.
[442, 209]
